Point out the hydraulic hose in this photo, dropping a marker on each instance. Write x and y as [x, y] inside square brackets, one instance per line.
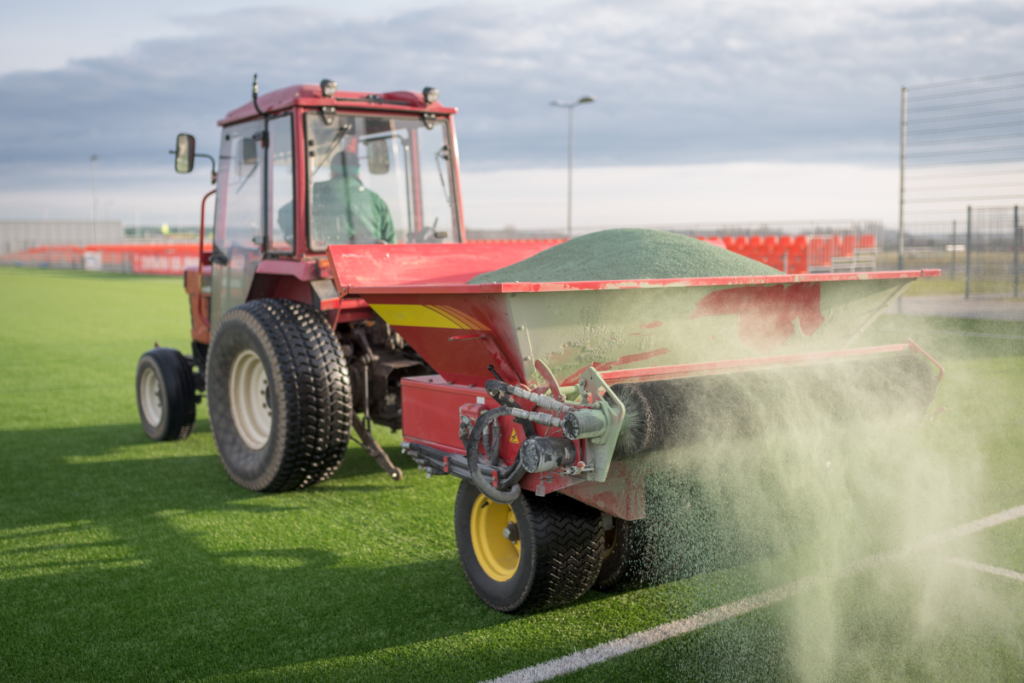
[508, 489]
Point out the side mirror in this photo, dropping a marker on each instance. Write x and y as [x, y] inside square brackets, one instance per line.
[377, 156]
[185, 153]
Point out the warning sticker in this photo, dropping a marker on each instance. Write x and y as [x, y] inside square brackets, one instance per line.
[514, 438]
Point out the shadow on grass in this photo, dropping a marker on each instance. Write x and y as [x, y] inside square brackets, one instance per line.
[100, 581]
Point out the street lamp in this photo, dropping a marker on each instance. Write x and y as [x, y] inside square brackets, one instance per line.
[586, 99]
[95, 201]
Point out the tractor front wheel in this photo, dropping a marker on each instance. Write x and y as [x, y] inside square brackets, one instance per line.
[534, 554]
[278, 394]
[165, 394]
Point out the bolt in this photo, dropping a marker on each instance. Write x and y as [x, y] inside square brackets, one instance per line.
[511, 532]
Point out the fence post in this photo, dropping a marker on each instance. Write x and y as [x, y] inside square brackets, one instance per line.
[967, 285]
[952, 274]
[1016, 254]
[903, 146]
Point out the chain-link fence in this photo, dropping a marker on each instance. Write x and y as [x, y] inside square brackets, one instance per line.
[961, 183]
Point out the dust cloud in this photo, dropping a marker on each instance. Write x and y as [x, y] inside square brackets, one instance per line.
[789, 475]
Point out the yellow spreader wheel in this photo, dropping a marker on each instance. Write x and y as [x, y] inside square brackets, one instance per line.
[495, 535]
[533, 554]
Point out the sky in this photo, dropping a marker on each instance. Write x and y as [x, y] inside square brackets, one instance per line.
[704, 111]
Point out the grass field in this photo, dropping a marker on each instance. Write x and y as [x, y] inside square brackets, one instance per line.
[123, 559]
[991, 272]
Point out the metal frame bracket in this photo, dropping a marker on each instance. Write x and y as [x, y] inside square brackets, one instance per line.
[601, 447]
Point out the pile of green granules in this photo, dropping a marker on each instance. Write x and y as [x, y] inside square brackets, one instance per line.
[627, 254]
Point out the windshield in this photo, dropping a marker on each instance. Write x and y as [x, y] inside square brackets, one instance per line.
[375, 180]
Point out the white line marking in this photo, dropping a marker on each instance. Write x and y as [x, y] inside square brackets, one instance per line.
[998, 571]
[599, 653]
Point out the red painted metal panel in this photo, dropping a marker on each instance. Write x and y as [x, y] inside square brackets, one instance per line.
[450, 285]
[766, 315]
[300, 270]
[309, 95]
[430, 415]
[621, 495]
[430, 410]
[380, 267]
[462, 355]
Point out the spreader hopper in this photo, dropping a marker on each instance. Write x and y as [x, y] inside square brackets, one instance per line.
[643, 329]
[576, 387]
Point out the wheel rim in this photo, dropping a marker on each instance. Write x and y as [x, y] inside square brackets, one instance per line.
[150, 398]
[247, 393]
[498, 556]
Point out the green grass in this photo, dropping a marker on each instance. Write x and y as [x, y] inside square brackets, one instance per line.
[123, 559]
[991, 272]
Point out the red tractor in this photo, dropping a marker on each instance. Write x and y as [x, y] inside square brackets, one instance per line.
[285, 362]
[338, 283]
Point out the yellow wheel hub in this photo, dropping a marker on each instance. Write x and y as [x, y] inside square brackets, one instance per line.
[498, 556]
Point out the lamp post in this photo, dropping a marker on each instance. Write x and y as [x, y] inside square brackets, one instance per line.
[95, 201]
[586, 99]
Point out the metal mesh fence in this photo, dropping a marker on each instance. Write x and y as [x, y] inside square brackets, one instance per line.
[961, 183]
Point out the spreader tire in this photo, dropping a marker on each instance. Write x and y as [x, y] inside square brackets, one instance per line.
[165, 394]
[555, 561]
[279, 396]
[626, 557]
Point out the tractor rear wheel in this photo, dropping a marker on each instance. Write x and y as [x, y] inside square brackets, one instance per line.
[534, 554]
[279, 396]
[165, 394]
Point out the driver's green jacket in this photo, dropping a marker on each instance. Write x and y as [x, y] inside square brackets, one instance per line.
[347, 212]
[344, 211]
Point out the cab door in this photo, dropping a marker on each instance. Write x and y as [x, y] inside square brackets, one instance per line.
[239, 231]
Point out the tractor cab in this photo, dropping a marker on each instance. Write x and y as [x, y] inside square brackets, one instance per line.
[306, 167]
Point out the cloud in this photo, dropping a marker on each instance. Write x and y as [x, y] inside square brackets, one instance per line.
[675, 83]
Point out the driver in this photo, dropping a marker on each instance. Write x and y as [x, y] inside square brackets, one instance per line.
[344, 210]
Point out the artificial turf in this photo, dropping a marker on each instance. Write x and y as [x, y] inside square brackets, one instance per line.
[123, 559]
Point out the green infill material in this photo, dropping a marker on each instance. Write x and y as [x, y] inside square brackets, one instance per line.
[627, 254]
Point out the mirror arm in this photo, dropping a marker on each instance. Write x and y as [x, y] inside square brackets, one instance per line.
[219, 257]
[213, 173]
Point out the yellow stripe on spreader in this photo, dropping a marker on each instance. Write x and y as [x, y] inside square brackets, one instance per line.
[415, 315]
[466, 320]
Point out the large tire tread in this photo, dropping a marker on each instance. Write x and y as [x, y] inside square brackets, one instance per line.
[568, 540]
[316, 410]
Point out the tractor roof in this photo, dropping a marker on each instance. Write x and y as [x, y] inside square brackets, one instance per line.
[309, 95]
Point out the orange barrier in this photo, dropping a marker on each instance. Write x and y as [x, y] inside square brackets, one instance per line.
[138, 259]
[803, 253]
